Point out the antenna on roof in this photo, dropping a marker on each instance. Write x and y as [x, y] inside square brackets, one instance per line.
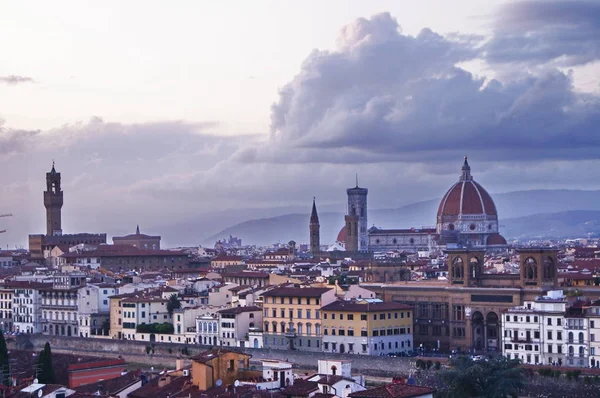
[356, 180]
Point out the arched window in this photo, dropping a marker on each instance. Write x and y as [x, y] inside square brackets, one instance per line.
[333, 370]
[581, 351]
[570, 337]
[308, 329]
[299, 328]
[580, 337]
[353, 210]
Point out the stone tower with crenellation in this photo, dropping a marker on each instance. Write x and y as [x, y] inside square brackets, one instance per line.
[53, 202]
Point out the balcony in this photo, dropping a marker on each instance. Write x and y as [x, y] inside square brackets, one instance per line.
[574, 327]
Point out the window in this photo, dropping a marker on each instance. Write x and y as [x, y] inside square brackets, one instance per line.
[350, 332]
[375, 333]
[458, 312]
[325, 316]
[299, 313]
[363, 333]
[549, 334]
[350, 317]
[559, 335]
[308, 316]
[282, 312]
[549, 348]
[332, 316]
[381, 316]
[341, 317]
[559, 322]
[363, 317]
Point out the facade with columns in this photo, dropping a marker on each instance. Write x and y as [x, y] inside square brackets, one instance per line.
[464, 313]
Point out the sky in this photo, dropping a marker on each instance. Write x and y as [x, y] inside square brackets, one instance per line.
[158, 113]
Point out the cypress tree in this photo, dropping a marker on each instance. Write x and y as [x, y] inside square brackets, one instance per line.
[46, 370]
[4, 364]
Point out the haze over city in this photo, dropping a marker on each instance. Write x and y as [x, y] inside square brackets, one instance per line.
[205, 111]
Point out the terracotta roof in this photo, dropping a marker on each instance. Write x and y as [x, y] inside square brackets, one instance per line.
[341, 237]
[296, 292]
[466, 197]
[228, 258]
[246, 274]
[111, 386]
[301, 388]
[396, 390]
[496, 239]
[96, 364]
[353, 306]
[123, 251]
[209, 355]
[240, 310]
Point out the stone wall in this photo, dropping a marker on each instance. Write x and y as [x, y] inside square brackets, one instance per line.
[136, 352]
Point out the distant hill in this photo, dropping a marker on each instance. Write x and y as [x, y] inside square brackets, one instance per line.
[557, 213]
[564, 224]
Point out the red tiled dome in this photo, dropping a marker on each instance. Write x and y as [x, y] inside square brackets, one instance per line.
[341, 235]
[466, 197]
[496, 239]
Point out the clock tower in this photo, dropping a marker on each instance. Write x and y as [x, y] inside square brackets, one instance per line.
[53, 202]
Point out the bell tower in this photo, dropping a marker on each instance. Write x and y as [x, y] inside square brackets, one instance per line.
[53, 202]
[314, 229]
[356, 219]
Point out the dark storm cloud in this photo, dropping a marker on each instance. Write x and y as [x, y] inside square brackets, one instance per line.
[385, 96]
[14, 79]
[534, 33]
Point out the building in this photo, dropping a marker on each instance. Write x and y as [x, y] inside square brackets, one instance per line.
[292, 317]
[207, 329]
[138, 240]
[396, 390]
[225, 261]
[6, 310]
[59, 304]
[93, 309]
[464, 312]
[533, 333]
[367, 327]
[218, 364]
[411, 240]
[92, 372]
[146, 308]
[41, 245]
[314, 230]
[335, 378]
[124, 257]
[235, 323]
[26, 313]
[593, 314]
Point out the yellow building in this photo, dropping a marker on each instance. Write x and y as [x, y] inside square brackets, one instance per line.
[292, 317]
[367, 327]
[218, 364]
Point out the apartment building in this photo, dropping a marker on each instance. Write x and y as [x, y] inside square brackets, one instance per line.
[537, 332]
[367, 327]
[292, 317]
[93, 308]
[6, 303]
[26, 315]
[59, 304]
[235, 323]
[577, 334]
[593, 314]
[143, 309]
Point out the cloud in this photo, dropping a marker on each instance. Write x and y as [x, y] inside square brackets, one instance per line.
[385, 96]
[393, 107]
[14, 79]
[537, 33]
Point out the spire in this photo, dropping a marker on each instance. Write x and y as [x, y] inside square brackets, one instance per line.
[356, 180]
[314, 217]
[53, 169]
[466, 171]
[137, 229]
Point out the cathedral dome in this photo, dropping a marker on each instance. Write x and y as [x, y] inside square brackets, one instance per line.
[466, 197]
[342, 235]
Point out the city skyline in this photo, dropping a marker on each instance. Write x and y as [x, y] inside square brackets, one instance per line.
[395, 103]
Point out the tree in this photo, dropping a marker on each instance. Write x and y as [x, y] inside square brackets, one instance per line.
[45, 368]
[173, 304]
[4, 363]
[497, 378]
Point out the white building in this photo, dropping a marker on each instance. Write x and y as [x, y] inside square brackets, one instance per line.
[26, 305]
[93, 308]
[545, 331]
[235, 324]
[335, 377]
[207, 329]
[275, 374]
[593, 314]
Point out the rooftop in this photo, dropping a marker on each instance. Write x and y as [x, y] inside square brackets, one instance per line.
[296, 292]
